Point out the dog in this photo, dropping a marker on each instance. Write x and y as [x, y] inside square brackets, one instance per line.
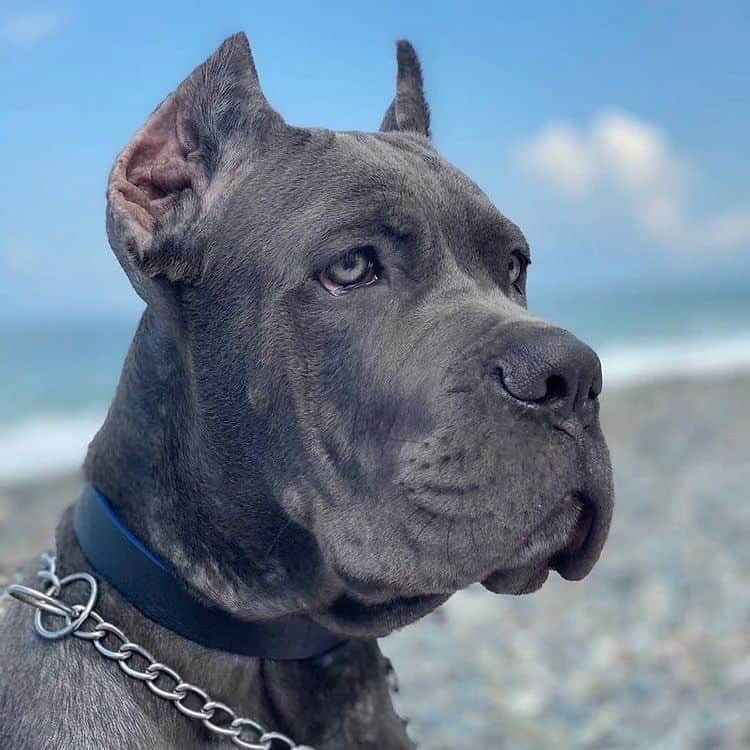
[337, 406]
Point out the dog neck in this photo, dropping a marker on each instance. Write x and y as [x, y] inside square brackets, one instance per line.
[145, 460]
[204, 509]
[335, 701]
[138, 457]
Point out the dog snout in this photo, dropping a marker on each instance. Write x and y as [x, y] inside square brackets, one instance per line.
[551, 368]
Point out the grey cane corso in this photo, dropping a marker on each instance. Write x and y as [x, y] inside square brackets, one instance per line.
[337, 403]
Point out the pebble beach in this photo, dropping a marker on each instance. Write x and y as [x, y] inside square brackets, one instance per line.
[652, 650]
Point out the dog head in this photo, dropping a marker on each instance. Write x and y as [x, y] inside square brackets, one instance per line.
[379, 418]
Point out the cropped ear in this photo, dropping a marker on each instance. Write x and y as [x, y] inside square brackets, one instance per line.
[160, 184]
[409, 110]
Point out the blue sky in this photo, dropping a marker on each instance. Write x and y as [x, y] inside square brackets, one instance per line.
[615, 134]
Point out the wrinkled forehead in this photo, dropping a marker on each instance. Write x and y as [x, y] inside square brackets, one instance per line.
[411, 178]
[350, 178]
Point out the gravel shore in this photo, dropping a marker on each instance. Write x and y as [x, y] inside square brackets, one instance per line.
[651, 651]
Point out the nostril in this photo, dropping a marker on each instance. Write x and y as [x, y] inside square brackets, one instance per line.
[557, 388]
[550, 368]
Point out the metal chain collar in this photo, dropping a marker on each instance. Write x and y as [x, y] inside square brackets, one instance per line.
[217, 717]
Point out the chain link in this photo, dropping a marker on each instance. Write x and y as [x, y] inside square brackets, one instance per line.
[217, 717]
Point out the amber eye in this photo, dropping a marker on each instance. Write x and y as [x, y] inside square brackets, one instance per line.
[354, 269]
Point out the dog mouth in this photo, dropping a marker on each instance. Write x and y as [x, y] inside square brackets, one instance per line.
[569, 562]
[569, 541]
[572, 560]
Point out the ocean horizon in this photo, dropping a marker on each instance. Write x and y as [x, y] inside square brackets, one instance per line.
[58, 377]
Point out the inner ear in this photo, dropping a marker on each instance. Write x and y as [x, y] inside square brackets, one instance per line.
[153, 170]
[158, 188]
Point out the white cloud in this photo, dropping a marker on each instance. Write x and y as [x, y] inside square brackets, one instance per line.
[561, 154]
[29, 26]
[623, 158]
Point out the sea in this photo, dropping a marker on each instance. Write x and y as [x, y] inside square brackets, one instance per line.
[57, 377]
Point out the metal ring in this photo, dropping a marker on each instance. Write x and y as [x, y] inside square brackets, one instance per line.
[134, 648]
[89, 635]
[245, 744]
[40, 600]
[156, 669]
[183, 689]
[71, 625]
[77, 615]
[118, 655]
[52, 579]
[50, 561]
[269, 738]
[49, 572]
[229, 731]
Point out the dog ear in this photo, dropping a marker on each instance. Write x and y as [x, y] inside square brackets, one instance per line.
[160, 184]
[409, 110]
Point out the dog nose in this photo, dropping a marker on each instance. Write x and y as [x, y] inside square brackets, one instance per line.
[549, 366]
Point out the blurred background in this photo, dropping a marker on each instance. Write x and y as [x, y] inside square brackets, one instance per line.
[616, 135]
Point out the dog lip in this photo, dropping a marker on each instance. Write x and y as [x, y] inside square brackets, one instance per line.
[581, 512]
[574, 561]
[498, 582]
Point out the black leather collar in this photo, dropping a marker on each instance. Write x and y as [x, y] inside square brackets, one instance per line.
[117, 555]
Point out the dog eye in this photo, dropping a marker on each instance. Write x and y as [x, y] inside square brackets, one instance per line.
[517, 264]
[356, 268]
